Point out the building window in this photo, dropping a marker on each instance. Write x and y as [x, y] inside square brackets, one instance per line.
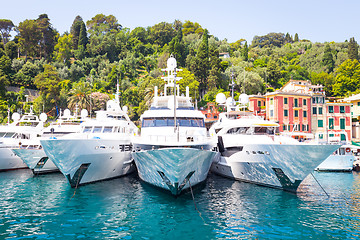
[304, 102]
[284, 127]
[271, 113]
[259, 104]
[286, 113]
[331, 109]
[305, 114]
[314, 110]
[331, 123]
[271, 101]
[285, 101]
[313, 100]
[320, 110]
[320, 123]
[296, 102]
[296, 113]
[342, 137]
[342, 109]
[321, 136]
[358, 103]
[342, 123]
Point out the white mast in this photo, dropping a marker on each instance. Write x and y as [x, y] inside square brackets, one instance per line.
[171, 81]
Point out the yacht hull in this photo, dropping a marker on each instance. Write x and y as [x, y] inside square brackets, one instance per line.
[36, 160]
[274, 165]
[84, 161]
[174, 168]
[337, 163]
[9, 160]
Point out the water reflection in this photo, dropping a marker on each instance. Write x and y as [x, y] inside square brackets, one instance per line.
[126, 208]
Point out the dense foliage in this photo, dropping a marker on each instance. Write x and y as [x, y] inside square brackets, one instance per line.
[80, 68]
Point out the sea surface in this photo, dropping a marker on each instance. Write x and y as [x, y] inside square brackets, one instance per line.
[46, 207]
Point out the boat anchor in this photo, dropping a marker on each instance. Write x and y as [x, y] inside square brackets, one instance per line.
[175, 188]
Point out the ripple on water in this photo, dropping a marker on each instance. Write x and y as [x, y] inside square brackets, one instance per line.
[125, 208]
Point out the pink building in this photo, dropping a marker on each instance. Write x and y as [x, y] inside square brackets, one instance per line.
[291, 110]
[257, 105]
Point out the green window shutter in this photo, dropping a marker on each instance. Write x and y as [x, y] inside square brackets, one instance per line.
[342, 123]
[320, 123]
[331, 123]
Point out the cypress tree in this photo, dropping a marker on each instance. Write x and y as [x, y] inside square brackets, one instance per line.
[83, 39]
[353, 49]
[75, 31]
[245, 52]
[200, 64]
[328, 60]
[296, 38]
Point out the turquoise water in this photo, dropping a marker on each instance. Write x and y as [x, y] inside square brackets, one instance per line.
[46, 207]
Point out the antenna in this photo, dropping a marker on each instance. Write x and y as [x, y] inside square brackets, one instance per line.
[171, 81]
[117, 94]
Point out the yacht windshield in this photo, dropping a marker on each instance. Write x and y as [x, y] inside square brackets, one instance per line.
[169, 122]
[107, 129]
[87, 129]
[256, 130]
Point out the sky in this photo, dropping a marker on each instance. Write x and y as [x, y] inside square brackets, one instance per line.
[316, 20]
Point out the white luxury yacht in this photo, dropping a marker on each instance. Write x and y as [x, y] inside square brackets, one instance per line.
[342, 160]
[174, 151]
[253, 151]
[12, 135]
[101, 150]
[31, 151]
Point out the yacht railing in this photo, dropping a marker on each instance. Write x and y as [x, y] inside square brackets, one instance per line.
[175, 138]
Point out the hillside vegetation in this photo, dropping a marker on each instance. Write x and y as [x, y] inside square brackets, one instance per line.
[81, 67]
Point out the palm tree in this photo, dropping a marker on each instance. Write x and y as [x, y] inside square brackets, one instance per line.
[80, 96]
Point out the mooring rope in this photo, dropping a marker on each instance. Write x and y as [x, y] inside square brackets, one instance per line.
[192, 195]
[320, 185]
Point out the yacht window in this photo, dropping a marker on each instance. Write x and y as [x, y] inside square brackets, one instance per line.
[169, 122]
[116, 129]
[196, 122]
[2, 134]
[341, 151]
[160, 122]
[9, 135]
[87, 129]
[108, 129]
[97, 129]
[148, 122]
[185, 122]
[238, 130]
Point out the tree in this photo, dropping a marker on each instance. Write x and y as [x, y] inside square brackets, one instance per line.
[161, 33]
[353, 49]
[288, 38]
[296, 38]
[101, 24]
[48, 35]
[347, 80]
[200, 64]
[6, 26]
[48, 82]
[63, 49]
[245, 52]
[190, 27]
[11, 49]
[75, 31]
[80, 96]
[29, 37]
[83, 39]
[328, 60]
[188, 79]
[269, 40]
